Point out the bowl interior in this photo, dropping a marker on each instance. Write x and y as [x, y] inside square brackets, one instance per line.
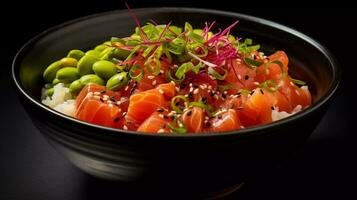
[308, 60]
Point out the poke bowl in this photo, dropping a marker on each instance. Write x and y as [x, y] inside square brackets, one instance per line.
[209, 163]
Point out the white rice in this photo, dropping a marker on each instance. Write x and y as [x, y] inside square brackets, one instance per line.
[277, 115]
[61, 100]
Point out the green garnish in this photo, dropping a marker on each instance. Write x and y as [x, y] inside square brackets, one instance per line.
[270, 85]
[215, 74]
[252, 63]
[223, 88]
[298, 82]
[175, 104]
[133, 73]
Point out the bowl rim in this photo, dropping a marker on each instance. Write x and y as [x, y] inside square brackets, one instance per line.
[336, 73]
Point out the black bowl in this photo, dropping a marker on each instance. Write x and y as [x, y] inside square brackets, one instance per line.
[186, 163]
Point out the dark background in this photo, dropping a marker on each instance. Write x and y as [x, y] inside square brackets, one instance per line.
[324, 167]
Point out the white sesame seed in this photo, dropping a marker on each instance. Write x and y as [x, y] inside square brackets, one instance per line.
[96, 97]
[225, 92]
[297, 92]
[195, 91]
[177, 89]
[206, 117]
[110, 105]
[186, 95]
[202, 87]
[190, 84]
[161, 115]
[126, 88]
[161, 131]
[215, 96]
[125, 127]
[105, 96]
[153, 82]
[256, 83]
[118, 103]
[151, 77]
[180, 124]
[241, 126]
[210, 87]
[191, 89]
[109, 102]
[96, 93]
[161, 91]
[291, 83]
[161, 71]
[239, 77]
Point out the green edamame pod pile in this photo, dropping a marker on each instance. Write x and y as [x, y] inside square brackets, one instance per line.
[98, 65]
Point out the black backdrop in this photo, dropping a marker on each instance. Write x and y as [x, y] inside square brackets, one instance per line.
[324, 167]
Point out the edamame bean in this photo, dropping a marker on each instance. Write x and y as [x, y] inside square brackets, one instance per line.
[67, 74]
[55, 81]
[104, 69]
[50, 91]
[91, 78]
[68, 62]
[100, 47]
[118, 81]
[76, 86]
[85, 64]
[76, 54]
[93, 53]
[50, 73]
[120, 54]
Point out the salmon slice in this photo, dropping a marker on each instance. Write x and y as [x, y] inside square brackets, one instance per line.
[226, 121]
[295, 95]
[168, 89]
[143, 104]
[155, 123]
[193, 119]
[273, 70]
[257, 108]
[241, 76]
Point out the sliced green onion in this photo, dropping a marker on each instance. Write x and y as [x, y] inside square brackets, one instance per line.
[177, 129]
[154, 69]
[133, 52]
[217, 75]
[177, 46]
[181, 71]
[223, 88]
[199, 104]
[173, 103]
[283, 72]
[196, 37]
[188, 27]
[252, 63]
[134, 70]
[298, 82]
[148, 51]
[197, 67]
[244, 91]
[270, 85]
[192, 49]
[169, 78]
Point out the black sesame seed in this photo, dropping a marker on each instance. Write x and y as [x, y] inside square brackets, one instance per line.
[116, 119]
[195, 85]
[166, 117]
[272, 108]
[204, 100]
[212, 94]
[190, 95]
[177, 103]
[160, 110]
[103, 91]
[159, 74]
[112, 99]
[183, 85]
[101, 99]
[224, 96]
[246, 77]
[172, 117]
[261, 91]
[189, 113]
[252, 92]
[123, 115]
[219, 116]
[208, 124]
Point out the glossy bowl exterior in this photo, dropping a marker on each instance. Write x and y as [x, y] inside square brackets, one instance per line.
[202, 162]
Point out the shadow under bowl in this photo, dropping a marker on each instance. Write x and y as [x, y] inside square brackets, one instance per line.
[191, 164]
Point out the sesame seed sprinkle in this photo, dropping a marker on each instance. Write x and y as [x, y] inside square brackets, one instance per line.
[153, 82]
[161, 91]
[125, 127]
[151, 77]
[195, 91]
[161, 130]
